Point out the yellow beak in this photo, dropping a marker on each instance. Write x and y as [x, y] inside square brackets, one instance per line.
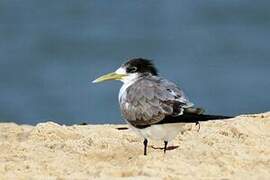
[110, 76]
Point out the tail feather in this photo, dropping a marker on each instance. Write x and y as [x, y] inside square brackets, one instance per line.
[192, 118]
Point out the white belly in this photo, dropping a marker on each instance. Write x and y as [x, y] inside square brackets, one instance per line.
[164, 132]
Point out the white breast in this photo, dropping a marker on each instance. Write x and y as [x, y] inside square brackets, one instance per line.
[164, 132]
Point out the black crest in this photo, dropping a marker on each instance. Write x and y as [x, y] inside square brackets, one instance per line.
[140, 65]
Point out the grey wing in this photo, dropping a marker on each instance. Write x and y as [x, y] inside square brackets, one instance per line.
[149, 100]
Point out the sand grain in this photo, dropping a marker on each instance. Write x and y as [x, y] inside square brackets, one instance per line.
[233, 149]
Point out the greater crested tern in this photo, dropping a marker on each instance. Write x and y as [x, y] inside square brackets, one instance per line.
[153, 106]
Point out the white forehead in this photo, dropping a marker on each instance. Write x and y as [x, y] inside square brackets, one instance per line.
[121, 70]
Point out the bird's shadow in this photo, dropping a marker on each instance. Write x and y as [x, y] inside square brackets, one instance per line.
[122, 128]
[168, 148]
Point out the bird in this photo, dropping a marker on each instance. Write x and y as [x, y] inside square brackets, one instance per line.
[154, 107]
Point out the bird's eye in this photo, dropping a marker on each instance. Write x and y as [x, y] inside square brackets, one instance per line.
[132, 69]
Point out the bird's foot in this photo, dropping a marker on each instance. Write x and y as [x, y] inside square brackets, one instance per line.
[165, 146]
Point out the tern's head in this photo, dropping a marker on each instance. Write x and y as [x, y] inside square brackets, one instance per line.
[130, 70]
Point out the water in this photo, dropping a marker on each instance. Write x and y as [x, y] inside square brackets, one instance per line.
[50, 51]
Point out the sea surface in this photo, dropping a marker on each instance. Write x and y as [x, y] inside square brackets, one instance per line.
[218, 52]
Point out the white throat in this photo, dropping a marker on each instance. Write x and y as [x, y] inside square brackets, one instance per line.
[127, 80]
[130, 78]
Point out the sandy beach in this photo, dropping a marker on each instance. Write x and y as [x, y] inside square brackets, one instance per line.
[237, 148]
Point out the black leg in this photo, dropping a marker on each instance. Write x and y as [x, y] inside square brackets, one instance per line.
[198, 123]
[145, 146]
[165, 146]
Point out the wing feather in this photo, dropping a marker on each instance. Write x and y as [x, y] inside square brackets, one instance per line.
[150, 99]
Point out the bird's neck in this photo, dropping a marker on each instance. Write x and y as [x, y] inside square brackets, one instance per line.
[128, 81]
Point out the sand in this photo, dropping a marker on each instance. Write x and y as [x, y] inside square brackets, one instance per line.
[238, 148]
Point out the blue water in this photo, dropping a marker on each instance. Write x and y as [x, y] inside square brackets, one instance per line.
[50, 51]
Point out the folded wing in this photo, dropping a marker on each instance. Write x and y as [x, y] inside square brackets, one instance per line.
[149, 100]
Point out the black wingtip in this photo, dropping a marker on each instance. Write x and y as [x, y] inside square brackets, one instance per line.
[192, 118]
[187, 118]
